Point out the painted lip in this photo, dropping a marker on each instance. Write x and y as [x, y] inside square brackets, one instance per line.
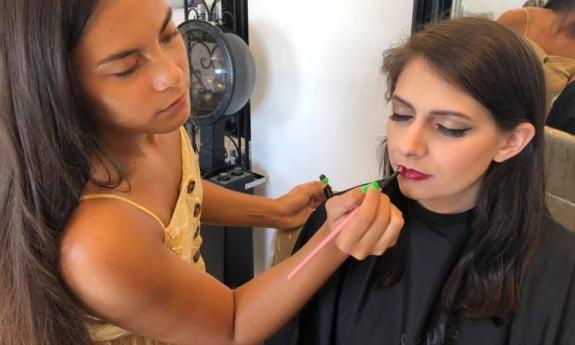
[175, 106]
[414, 175]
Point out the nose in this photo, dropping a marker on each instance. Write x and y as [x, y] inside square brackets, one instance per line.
[167, 73]
[412, 142]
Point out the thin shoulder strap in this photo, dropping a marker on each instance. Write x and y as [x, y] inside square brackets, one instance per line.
[117, 197]
[526, 21]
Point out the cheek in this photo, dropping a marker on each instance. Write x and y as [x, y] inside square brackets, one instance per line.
[393, 135]
[131, 96]
[116, 105]
[466, 160]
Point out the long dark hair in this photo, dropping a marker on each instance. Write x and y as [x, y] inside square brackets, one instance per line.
[46, 140]
[497, 68]
[560, 5]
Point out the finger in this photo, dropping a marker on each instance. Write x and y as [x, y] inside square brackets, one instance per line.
[317, 195]
[312, 192]
[339, 205]
[391, 233]
[313, 187]
[368, 242]
[359, 224]
[316, 191]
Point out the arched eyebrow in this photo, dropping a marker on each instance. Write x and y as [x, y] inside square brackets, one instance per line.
[167, 20]
[124, 54]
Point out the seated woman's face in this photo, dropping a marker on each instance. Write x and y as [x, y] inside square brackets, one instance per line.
[443, 137]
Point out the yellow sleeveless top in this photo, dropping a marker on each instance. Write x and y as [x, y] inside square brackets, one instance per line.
[559, 70]
[182, 236]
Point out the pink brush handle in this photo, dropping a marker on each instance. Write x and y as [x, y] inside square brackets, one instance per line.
[322, 245]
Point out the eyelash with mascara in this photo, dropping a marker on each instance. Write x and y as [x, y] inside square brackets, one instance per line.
[450, 132]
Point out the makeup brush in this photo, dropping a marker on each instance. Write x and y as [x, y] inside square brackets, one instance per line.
[340, 226]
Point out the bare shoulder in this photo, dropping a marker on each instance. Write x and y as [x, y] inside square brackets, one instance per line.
[114, 262]
[108, 222]
[101, 238]
[515, 19]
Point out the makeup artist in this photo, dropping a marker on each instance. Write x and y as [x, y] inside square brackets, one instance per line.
[101, 197]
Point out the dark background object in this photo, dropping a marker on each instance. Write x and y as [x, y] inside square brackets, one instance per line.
[429, 11]
[562, 114]
[228, 252]
[222, 71]
[236, 127]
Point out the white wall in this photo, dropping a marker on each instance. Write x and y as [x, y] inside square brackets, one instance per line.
[318, 105]
[178, 16]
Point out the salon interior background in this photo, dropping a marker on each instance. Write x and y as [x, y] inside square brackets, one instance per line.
[318, 104]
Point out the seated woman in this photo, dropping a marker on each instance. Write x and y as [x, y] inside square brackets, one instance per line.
[478, 260]
[551, 33]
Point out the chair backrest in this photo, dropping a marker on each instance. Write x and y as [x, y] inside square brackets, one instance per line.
[560, 174]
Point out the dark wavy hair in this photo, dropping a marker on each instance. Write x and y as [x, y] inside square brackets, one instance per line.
[47, 138]
[497, 68]
[560, 5]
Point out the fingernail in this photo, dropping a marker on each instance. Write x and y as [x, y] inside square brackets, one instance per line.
[375, 186]
[364, 188]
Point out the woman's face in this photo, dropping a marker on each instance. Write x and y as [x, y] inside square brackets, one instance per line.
[444, 139]
[132, 66]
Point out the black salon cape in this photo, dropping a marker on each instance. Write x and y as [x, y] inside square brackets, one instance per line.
[562, 114]
[349, 309]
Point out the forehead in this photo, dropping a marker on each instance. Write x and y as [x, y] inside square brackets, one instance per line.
[426, 90]
[122, 24]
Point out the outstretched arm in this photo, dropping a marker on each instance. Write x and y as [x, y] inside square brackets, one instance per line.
[226, 207]
[118, 268]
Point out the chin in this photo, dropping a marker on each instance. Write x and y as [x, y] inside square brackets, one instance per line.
[406, 191]
[416, 192]
[175, 122]
[181, 120]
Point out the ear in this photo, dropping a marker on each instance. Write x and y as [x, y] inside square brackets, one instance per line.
[515, 141]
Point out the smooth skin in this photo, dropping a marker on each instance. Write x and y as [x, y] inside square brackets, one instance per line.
[440, 130]
[554, 32]
[131, 66]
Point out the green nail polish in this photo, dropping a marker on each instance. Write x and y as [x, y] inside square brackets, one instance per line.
[375, 186]
[364, 188]
[324, 180]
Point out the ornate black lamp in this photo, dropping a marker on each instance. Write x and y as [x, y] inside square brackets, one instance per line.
[222, 71]
[222, 76]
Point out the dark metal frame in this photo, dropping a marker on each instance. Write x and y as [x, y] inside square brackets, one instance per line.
[429, 11]
[236, 127]
[228, 252]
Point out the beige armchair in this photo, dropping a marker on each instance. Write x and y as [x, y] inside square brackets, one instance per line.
[560, 174]
[282, 245]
